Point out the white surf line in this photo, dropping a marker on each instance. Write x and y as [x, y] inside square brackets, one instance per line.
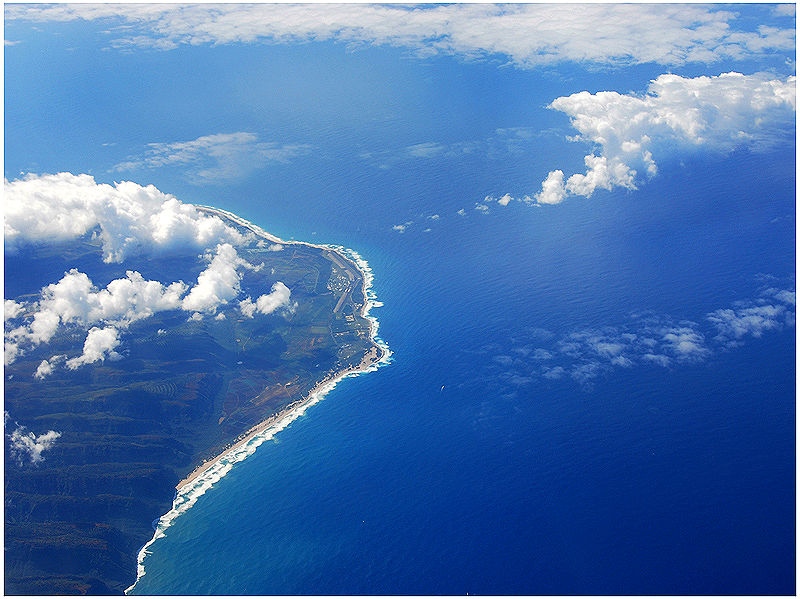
[188, 494]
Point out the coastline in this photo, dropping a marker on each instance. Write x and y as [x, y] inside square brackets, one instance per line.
[320, 388]
[208, 473]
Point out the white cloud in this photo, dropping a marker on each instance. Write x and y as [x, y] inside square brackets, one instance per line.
[647, 340]
[74, 299]
[502, 200]
[270, 247]
[99, 345]
[782, 295]
[526, 35]
[754, 321]
[685, 343]
[676, 115]
[754, 318]
[247, 307]
[541, 354]
[11, 309]
[11, 351]
[216, 158]
[23, 444]
[131, 218]
[482, 208]
[45, 369]
[553, 191]
[277, 298]
[126, 300]
[217, 284]
[134, 298]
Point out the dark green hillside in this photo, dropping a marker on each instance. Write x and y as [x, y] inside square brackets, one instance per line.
[132, 429]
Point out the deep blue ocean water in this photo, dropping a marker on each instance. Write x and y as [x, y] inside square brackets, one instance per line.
[459, 468]
[649, 480]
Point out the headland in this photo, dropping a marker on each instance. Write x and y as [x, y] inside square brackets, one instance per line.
[212, 469]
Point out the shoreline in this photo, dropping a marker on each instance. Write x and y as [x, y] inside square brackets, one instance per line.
[320, 388]
[208, 473]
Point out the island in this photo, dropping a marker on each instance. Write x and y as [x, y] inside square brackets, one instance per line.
[183, 395]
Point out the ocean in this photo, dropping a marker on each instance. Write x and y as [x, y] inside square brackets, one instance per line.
[542, 427]
[442, 473]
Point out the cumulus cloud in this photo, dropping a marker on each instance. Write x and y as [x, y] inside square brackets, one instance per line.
[11, 309]
[659, 359]
[128, 218]
[11, 350]
[676, 115]
[99, 345]
[45, 369]
[217, 284]
[526, 35]
[215, 158]
[247, 307]
[503, 200]
[278, 297]
[26, 446]
[75, 300]
[425, 150]
[553, 191]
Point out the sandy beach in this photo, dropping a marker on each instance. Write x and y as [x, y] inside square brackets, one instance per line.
[372, 357]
